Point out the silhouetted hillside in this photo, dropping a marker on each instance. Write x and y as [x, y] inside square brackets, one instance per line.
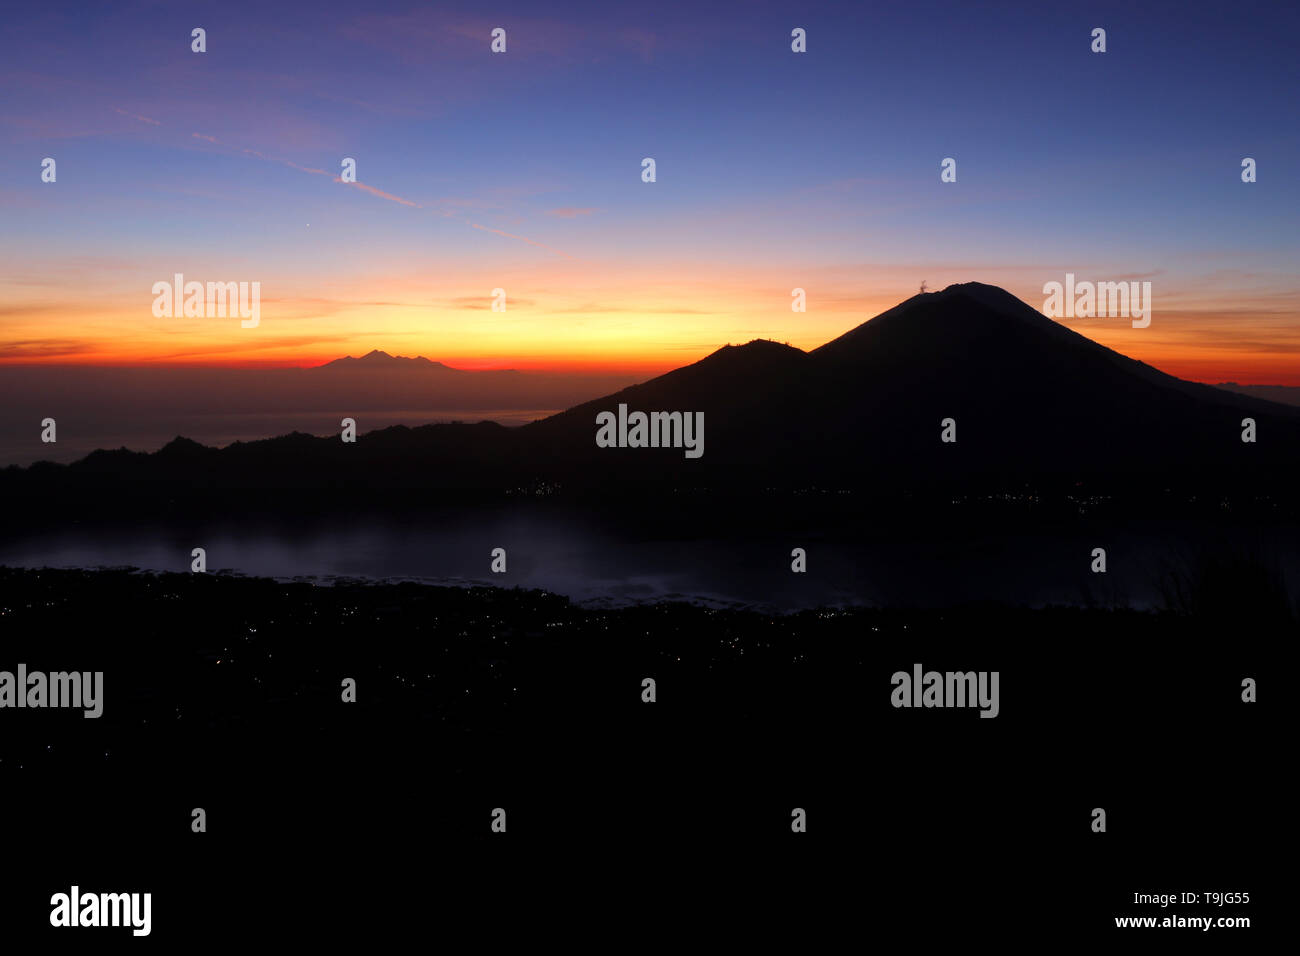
[1032, 401]
[1284, 394]
[1034, 404]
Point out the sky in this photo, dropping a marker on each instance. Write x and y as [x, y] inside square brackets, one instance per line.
[522, 171]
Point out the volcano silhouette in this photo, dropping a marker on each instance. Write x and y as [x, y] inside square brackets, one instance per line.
[1030, 398]
[1033, 402]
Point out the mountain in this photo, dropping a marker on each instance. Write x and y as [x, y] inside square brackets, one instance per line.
[142, 407]
[1031, 398]
[1034, 403]
[378, 359]
[1285, 394]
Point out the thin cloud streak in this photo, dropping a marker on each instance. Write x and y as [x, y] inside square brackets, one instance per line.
[531, 242]
[391, 197]
[137, 116]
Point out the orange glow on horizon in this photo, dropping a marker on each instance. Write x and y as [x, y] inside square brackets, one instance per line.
[626, 323]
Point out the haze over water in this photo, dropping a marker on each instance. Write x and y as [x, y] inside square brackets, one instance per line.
[589, 557]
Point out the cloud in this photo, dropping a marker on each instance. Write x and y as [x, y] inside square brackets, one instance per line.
[305, 169]
[20, 311]
[430, 35]
[482, 302]
[531, 242]
[378, 192]
[137, 116]
[317, 172]
[290, 308]
[570, 212]
[391, 197]
[382, 108]
[1134, 276]
[262, 344]
[33, 349]
[642, 41]
[599, 309]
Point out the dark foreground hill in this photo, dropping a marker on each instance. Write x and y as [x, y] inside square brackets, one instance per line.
[1033, 403]
[225, 694]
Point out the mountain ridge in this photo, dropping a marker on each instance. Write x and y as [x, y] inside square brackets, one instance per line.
[377, 358]
[1030, 398]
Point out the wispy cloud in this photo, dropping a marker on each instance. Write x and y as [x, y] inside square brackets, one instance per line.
[482, 302]
[571, 212]
[531, 242]
[265, 344]
[595, 307]
[380, 193]
[306, 169]
[392, 197]
[319, 172]
[49, 348]
[137, 116]
[23, 311]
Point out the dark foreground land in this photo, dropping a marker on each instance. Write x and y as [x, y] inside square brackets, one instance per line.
[373, 818]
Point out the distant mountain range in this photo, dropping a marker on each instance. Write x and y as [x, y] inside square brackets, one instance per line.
[141, 408]
[1032, 402]
[377, 359]
[1286, 394]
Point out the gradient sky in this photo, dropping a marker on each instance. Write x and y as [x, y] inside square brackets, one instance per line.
[522, 171]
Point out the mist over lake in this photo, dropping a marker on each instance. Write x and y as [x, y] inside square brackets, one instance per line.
[970, 553]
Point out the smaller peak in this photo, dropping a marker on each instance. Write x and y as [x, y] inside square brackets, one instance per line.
[755, 350]
[181, 444]
[764, 345]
